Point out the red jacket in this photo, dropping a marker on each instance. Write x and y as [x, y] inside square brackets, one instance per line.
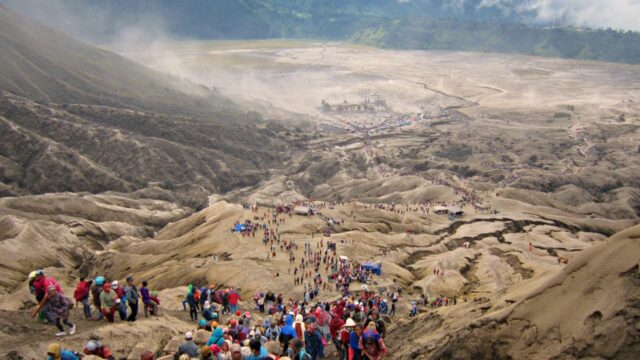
[119, 292]
[234, 297]
[344, 336]
[82, 291]
[335, 325]
[102, 352]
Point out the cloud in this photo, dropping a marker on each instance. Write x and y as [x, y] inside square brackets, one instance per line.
[617, 14]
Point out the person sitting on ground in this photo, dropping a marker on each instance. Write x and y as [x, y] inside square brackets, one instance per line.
[55, 352]
[206, 311]
[188, 347]
[96, 348]
[57, 310]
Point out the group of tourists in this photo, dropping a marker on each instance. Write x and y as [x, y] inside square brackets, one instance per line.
[349, 328]
[304, 329]
[107, 298]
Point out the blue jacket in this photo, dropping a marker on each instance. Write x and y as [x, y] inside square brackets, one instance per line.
[313, 344]
[288, 329]
[263, 354]
[216, 338]
[66, 355]
[191, 299]
[354, 340]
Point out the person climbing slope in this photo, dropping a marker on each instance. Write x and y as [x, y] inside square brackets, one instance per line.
[81, 295]
[108, 299]
[57, 310]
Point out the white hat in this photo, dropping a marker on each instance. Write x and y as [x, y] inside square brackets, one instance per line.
[207, 305]
[350, 322]
[188, 335]
[114, 283]
[118, 301]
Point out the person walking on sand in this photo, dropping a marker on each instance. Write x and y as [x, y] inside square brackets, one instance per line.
[58, 310]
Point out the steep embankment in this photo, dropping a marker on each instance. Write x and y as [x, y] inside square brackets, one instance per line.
[589, 309]
[77, 118]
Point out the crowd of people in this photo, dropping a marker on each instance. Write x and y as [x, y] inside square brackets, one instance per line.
[107, 298]
[349, 328]
[281, 327]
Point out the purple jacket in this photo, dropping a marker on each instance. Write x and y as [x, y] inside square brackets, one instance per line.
[146, 297]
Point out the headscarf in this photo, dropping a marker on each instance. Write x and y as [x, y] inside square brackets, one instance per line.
[54, 348]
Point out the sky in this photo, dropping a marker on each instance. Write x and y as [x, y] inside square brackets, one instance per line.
[84, 19]
[616, 14]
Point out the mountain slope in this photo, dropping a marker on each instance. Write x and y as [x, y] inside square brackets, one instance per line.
[588, 310]
[78, 118]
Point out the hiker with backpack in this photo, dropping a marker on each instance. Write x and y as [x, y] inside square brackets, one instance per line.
[58, 310]
[96, 290]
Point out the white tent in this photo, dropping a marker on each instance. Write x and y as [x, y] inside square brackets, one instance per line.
[302, 210]
[440, 210]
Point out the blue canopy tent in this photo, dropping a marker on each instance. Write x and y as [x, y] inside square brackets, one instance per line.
[375, 268]
[239, 227]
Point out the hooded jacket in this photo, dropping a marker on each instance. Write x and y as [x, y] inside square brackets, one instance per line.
[217, 338]
[287, 333]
